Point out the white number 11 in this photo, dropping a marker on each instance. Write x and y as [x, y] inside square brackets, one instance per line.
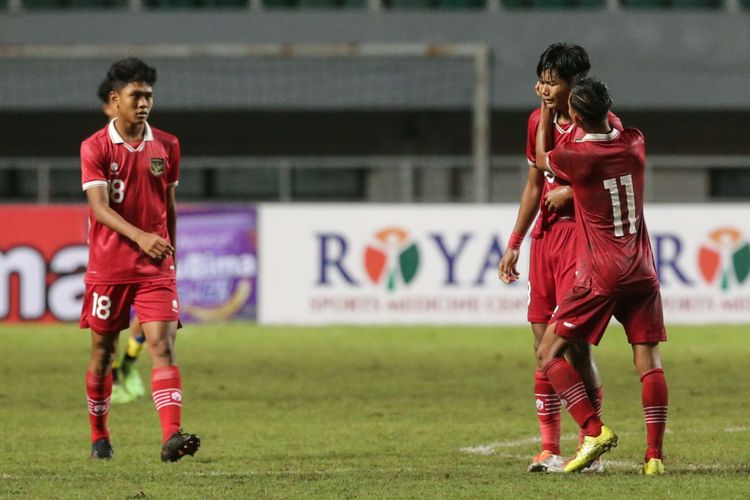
[614, 192]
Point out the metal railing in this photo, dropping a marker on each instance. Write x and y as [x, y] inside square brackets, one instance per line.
[405, 166]
[16, 6]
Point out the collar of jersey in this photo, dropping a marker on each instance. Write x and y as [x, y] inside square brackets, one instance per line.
[559, 127]
[600, 137]
[116, 138]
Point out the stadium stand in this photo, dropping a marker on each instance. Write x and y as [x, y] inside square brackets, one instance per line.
[390, 4]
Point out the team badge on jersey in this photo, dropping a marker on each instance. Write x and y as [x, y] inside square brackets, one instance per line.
[157, 166]
[114, 166]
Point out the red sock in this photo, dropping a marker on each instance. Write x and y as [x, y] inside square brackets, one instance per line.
[572, 394]
[166, 387]
[547, 412]
[98, 392]
[655, 400]
[596, 401]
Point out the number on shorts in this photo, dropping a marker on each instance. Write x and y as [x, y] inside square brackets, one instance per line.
[617, 214]
[117, 190]
[101, 307]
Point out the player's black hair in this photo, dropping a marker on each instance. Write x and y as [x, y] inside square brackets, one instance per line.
[590, 98]
[570, 62]
[130, 70]
[103, 91]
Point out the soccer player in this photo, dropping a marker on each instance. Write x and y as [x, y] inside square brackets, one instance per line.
[129, 173]
[103, 93]
[615, 272]
[131, 387]
[127, 385]
[552, 266]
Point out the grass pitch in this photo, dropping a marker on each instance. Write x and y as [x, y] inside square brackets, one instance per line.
[366, 412]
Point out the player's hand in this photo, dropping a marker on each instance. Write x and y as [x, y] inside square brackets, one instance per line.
[507, 267]
[558, 198]
[538, 88]
[154, 245]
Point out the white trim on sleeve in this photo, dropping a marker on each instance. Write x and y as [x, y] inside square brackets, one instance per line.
[175, 183]
[551, 166]
[90, 184]
[531, 163]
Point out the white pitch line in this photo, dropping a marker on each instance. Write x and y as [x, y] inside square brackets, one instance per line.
[489, 448]
[737, 429]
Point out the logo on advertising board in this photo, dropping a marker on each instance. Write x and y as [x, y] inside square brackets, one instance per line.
[724, 259]
[393, 257]
[217, 264]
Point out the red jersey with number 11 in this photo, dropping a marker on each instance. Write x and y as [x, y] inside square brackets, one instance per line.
[607, 174]
[560, 133]
[136, 177]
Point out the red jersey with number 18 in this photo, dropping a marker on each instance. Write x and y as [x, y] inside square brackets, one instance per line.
[607, 174]
[136, 178]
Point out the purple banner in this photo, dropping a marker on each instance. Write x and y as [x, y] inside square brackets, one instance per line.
[217, 264]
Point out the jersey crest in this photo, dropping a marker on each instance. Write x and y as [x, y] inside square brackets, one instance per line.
[157, 166]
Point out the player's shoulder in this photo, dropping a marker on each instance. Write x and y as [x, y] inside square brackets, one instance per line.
[165, 137]
[614, 120]
[98, 137]
[633, 136]
[534, 116]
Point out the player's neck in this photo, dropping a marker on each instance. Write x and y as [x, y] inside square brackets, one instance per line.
[598, 128]
[130, 132]
[562, 118]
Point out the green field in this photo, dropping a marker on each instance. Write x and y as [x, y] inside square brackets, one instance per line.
[366, 412]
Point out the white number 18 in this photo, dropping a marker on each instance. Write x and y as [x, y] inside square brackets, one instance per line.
[101, 306]
[117, 190]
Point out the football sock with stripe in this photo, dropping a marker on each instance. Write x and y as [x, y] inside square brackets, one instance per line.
[166, 386]
[547, 412]
[655, 398]
[572, 394]
[596, 398]
[98, 392]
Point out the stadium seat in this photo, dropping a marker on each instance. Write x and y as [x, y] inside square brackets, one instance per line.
[410, 4]
[88, 4]
[460, 4]
[227, 3]
[172, 4]
[567, 4]
[517, 4]
[317, 4]
[697, 4]
[278, 4]
[645, 4]
[552, 4]
[44, 4]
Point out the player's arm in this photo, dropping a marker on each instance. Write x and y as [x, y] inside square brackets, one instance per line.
[527, 211]
[544, 140]
[172, 215]
[152, 244]
[172, 181]
[558, 198]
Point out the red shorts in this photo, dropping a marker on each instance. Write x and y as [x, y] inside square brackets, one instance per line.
[552, 270]
[106, 308]
[583, 315]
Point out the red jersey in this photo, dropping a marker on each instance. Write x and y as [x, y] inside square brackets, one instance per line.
[137, 178]
[561, 133]
[607, 174]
